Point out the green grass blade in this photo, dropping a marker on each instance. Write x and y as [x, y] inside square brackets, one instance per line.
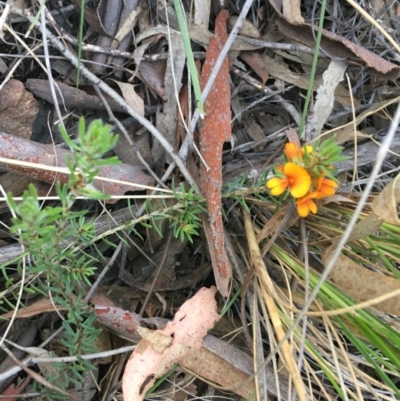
[80, 40]
[313, 68]
[189, 56]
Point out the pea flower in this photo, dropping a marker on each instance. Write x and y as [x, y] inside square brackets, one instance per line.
[295, 153]
[294, 177]
[305, 204]
[325, 187]
[292, 151]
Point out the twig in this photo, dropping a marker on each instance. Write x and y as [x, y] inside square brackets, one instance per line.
[158, 271]
[40, 379]
[103, 273]
[30, 360]
[114, 95]
[268, 290]
[122, 129]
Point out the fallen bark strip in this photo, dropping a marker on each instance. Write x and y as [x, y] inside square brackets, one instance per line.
[216, 361]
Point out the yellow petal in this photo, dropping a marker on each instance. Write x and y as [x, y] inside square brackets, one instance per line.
[277, 186]
[326, 187]
[309, 149]
[306, 205]
[302, 209]
[312, 206]
[299, 179]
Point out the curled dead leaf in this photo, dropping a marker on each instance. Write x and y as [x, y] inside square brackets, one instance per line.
[160, 349]
[385, 204]
[362, 284]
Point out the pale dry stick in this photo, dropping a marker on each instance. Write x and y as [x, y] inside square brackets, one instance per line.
[258, 351]
[268, 291]
[306, 289]
[344, 356]
[272, 343]
[40, 379]
[372, 110]
[114, 95]
[157, 273]
[48, 65]
[3, 19]
[65, 170]
[31, 360]
[289, 108]
[119, 53]
[18, 62]
[355, 171]
[81, 197]
[380, 157]
[336, 361]
[375, 24]
[103, 273]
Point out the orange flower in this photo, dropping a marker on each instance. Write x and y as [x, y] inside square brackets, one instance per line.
[325, 187]
[296, 178]
[305, 204]
[294, 152]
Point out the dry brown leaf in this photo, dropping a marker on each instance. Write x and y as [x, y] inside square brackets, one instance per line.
[93, 20]
[166, 119]
[125, 27]
[385, 204]
[336, 45]
[257, 63]
[274, 223]
[131, 97]
[280, 70]
[153, 75]
[247, 29]
[214, 132]
[367, 226]
[325, 95]
[42, 306]
[362, 284]
[291, 11]
[181, 337]
[384, 208]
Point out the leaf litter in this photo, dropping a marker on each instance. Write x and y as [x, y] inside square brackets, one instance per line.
[264, 83]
